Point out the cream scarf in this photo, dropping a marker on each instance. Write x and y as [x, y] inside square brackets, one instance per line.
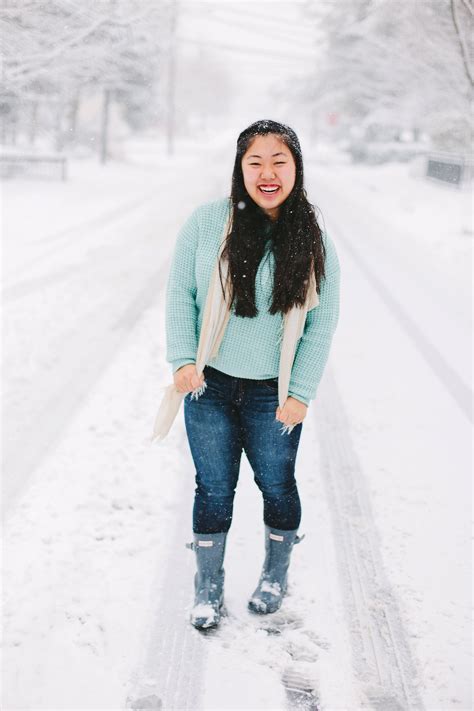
[215, 318]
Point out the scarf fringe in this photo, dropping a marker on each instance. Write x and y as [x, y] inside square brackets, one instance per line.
[195, 394]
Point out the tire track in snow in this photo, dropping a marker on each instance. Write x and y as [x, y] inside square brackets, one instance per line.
[52, 415]
[382, 658]
[449, 378]
[86, 353]
[62, 238]
[169, 674]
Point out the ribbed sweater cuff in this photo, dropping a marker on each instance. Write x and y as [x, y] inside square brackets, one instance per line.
[175, 364]
[299, 397]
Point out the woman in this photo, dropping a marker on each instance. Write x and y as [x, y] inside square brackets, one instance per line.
[273, 251]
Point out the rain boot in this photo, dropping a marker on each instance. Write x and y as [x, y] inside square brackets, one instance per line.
[208, 579]
[273, 582]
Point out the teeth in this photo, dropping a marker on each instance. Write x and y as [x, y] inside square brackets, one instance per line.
[269, 190]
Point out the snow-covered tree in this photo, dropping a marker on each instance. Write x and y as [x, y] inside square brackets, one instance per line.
[55, 52]
[405, 63]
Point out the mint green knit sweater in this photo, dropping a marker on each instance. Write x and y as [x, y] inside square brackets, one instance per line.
[250, 347]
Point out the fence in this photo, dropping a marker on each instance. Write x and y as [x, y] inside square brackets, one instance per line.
[33, 166]
[449, 168]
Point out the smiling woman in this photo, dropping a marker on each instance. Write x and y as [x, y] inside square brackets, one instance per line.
[238, 399]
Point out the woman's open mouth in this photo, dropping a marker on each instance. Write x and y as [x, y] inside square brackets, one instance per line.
[269, 190]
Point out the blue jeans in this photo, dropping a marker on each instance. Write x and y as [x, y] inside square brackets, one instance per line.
[235, 414]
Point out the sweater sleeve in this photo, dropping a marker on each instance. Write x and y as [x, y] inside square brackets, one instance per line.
[313, 348]
[181, 308]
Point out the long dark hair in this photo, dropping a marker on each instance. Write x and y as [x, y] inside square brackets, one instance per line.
[297, 240]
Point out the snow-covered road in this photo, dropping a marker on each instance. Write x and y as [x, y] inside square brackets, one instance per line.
[98, 581]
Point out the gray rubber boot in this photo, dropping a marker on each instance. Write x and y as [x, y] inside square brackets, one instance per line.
[208, 579]
[273, 582]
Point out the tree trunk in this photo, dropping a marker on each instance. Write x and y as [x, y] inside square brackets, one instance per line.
[73, 113]
[33, 122]
[104, 137]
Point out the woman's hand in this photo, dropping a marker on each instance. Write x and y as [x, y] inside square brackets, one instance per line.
[186, 378]
[293, 411]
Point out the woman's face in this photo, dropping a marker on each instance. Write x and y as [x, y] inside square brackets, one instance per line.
[269, 172]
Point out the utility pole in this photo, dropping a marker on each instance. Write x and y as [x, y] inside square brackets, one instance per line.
[104, 133]
[170, 113]
[107, 97]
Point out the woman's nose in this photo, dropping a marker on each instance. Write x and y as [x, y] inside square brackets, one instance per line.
[267, 174]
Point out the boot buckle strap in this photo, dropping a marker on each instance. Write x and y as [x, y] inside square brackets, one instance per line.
[276, 537]
[280, 539]
[200, 544]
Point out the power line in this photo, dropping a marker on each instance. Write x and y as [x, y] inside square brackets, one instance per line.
[170, 119]
[263, 31]
[236, 7]
[268, 19]
[247, 50]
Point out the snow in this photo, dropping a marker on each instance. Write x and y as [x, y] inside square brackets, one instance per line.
[272, 588]
[204, 612]
[96, 517]
[82, 542]
[409, 431]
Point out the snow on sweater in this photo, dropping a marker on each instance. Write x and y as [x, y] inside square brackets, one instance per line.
[250, 347]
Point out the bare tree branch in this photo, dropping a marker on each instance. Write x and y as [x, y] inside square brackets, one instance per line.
[462, 44]
[469, 6]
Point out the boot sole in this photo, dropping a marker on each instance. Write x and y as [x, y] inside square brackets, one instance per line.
[204, 626]
[259, 611]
